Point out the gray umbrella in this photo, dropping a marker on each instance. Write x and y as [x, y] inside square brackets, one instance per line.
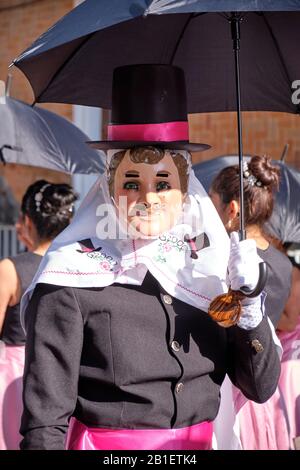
[285, 221]
[37, 137]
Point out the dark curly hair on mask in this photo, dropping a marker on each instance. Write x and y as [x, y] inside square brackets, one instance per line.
[150, 155]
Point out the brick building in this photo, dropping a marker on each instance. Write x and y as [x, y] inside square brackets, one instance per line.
[22, 21]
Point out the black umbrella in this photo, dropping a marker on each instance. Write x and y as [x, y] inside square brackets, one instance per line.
[285, 220]
[73, 61]
[37, 137]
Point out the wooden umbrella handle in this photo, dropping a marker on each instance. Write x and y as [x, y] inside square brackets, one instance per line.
[226, 309]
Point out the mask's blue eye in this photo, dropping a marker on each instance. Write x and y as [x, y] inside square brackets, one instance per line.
[131, 185]
[162, 186]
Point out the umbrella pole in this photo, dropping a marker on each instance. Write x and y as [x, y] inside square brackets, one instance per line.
[235, 20]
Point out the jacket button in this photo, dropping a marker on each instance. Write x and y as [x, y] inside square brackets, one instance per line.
[179, 387]
[167, 299]
[175, 346]
[257, 345]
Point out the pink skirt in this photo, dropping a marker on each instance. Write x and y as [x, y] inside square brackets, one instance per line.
[264, 426]
[274, 425]
[197, 437]
[289, 382]
[11, 373]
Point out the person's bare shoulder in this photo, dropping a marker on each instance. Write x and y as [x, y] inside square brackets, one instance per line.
[9, 283]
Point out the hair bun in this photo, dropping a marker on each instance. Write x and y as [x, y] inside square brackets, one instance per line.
[49, 206]
[262, 168]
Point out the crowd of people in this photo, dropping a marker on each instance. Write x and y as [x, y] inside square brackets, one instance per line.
[121, 350]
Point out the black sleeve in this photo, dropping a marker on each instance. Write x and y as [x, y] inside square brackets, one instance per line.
[53, 350]
[254, 365]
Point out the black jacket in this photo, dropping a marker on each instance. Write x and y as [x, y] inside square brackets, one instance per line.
[130, 357]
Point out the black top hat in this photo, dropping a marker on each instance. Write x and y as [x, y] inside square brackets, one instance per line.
[148, 109]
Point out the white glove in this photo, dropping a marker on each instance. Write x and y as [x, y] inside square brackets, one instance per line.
[243, 269]
[252, 313]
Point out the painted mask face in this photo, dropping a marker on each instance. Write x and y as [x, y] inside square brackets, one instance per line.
[148, 196]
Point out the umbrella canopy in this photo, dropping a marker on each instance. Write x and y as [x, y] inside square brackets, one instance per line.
[37, 137]
[285, 220]
[73, 61]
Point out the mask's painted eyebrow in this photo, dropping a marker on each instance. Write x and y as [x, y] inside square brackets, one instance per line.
[131, 174]
[163, 174]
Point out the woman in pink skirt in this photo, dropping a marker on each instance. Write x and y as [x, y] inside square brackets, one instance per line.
[275, 425]
[289, 382]
[46, 210]
[268, 426]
